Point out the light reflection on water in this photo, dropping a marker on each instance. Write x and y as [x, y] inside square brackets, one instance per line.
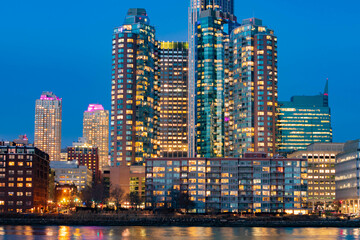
[173, 233]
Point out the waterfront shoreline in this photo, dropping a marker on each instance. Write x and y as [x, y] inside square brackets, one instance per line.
[170, 221]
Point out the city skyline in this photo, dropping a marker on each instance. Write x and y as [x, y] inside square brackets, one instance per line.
[341, 108]
[248, 109]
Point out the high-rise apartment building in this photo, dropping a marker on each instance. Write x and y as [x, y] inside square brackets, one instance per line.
[212, 82]
[226, 7]
[253, 184]
[135, 91]
[255, 95]
[321, 158]
[304, 120]
[96, 131]
[48, 111]
[173, 99]
[210, 76]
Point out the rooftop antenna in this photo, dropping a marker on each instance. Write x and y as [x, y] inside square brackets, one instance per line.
[326, 90]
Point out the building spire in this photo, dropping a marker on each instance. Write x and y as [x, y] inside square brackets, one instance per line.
[326, 90]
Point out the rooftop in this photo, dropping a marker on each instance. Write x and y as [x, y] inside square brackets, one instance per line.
[49, 96]
[95, 107]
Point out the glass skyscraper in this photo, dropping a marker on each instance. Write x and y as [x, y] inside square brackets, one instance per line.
[135, 91]
[212, 71]
[304, 120]
[226, 7]
[210, 85]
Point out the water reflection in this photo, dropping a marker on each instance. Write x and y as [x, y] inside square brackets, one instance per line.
[174, 233]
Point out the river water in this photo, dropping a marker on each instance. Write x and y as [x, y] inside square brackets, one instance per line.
[174, 233]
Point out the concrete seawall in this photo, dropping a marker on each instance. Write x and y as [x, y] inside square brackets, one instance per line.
[129, 220]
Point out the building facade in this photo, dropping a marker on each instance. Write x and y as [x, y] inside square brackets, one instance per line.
[135, 91]
[304, 120]
[86, 155]
[173, 99]
[131, 179]
[70, 172]
[321, 158]
[255, 93]
[347, 177]
[24, 176]
[254, 184]
[212, 78]
[48, 117]
[96, 131]
[226, 7]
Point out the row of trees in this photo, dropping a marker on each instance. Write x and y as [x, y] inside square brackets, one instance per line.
[97, 194]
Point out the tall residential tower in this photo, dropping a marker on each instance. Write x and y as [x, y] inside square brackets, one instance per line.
[255, 88]
[135, 91]
[226, 7]
[173, 99]
[48, 111]
[96, 131]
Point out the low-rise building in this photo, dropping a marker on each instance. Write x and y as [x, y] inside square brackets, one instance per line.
[24, 176]
[348, 177]
[86, 155]
[129, 179]
[70, 172]
[63, 155]
[321, 159]
[254, 184]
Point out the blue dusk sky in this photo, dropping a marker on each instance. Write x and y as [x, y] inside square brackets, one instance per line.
[65, 47]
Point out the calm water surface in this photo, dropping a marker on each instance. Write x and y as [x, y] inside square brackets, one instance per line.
[174, 233]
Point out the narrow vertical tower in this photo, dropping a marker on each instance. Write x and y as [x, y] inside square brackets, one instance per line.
[210, 76]
[48, 112]
[255, 88]
[135, 91]
[173, 99]
[224, 11]
[96, 131]
[194, 12]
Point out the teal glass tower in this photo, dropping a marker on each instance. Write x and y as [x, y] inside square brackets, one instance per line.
[197, 7]
[210, 85]
[304, 120]
[135, 91]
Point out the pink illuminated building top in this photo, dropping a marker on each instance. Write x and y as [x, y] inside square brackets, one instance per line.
[49, 96]
[95, 107]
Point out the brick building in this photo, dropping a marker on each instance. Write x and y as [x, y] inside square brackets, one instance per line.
[86, 155]
[24, 174]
